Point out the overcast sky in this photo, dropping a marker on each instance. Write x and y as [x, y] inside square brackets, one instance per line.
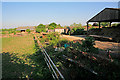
[16, 14]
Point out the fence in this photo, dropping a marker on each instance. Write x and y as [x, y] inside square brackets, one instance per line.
[56, 74]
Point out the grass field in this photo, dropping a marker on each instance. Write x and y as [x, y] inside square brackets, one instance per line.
[19, 58]
[14, 51]
[21, 45]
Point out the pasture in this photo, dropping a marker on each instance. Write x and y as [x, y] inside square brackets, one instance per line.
[20, 59]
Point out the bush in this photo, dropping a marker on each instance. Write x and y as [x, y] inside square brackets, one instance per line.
[62, 42]
[3, 32]
[14, 32]
[28, 30]
[88, 43]
[18, 31]
[52, 38]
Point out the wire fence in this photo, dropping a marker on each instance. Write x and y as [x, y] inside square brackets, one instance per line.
[56, 74]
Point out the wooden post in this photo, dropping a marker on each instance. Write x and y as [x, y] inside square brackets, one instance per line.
[87, 28]
[110, 24]
[99, 25]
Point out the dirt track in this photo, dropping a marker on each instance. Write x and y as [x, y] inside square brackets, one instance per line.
[98, 44]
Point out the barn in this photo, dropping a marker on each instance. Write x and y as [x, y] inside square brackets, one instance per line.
[23, 29]
[106, 15]
[59, 30]
[111, 32]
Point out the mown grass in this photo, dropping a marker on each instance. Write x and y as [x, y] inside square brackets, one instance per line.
[21, 59]
[15, 63]
[21, 45]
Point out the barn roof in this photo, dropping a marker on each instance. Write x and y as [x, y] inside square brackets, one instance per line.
[107, 15]
[24, 28]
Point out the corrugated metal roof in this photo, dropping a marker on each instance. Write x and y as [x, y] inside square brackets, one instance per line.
[24, 28]
[107, 15]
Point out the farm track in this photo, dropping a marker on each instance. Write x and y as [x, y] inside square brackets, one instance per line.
[115, 47]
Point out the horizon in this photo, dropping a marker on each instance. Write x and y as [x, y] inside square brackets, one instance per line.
[16, 14]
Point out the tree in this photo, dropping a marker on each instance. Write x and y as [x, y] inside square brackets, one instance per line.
[114, 24]
[104, 24]
[41, 28]
[95, 24]
[28, 30]
[59, 26]
[53, 25]
[78, 26]
[50, 27]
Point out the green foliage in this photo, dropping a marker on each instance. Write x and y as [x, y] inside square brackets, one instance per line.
[78, 29]
[41, 28]
[59, 26]
[104, 24]
[89, 25]
[50, 27]
[14, 29]
[18, 31]
[52, 38]
[3, 32]
[69, 32]
[54, 25]
[26, 59]
[14, 32]
[62, 42]
[76, 25]
[72, 31]
[88, 43]
[95, 24]
[115, 24]
[28, 30]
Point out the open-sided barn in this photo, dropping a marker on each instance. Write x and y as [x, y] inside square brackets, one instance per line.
[106, 15]
[23, 29]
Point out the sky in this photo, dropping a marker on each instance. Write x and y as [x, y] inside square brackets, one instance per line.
[15, 14]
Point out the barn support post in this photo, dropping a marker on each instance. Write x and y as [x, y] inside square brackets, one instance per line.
[110, 24]
[99, 25]
[87, 27]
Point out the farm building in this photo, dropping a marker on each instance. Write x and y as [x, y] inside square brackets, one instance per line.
[23, 29]
[106, 15]
[50, 30]
[59, 30]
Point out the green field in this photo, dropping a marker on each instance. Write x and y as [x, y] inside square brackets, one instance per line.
[20, 59]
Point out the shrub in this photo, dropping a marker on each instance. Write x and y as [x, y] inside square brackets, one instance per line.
[52, 38]
[14, 32]
[18, 31]
[88, 43]
[3, 32]
[62, 42]
[28, 30]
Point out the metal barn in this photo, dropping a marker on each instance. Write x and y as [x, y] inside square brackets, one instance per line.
[106, 15]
